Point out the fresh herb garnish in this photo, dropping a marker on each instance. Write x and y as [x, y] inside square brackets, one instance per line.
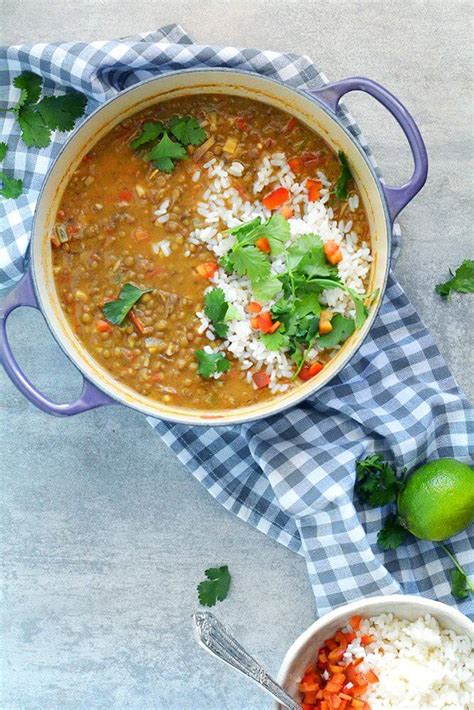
[38, 118]
[462, 281]
[215, 308]
[275, 341]
[116, 311]
[342, 329]
[341, 185]
[392, 534]
[461, 585]
[12, 187]
[211, 363]
[186, 130]
[376, 484]
[216, 587]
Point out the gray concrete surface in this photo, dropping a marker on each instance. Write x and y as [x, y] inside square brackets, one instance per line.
[105, 534]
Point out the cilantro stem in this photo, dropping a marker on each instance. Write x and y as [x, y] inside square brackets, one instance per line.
[305, 355]
[291, 277]
[453, 559]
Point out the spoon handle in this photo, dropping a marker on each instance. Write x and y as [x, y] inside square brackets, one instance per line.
[218, 641]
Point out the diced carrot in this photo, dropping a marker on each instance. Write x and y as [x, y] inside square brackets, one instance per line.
[311, 697]
[263, 244]
[371, 676]
[296, 164]
[275, 326]
[332, 252]
[291, 125]
[276, 199]
[241, 123]
[141, 234]
[207, 269]
[125, 195]
[357, 704]
[314, 188]
[345, 696]
[365, 639]
[308, 686]
[324, 327]
[137, 322]
[286, 211]
[103, 327]
[350, 635]
[255, 323]
[307, 706]
[356, 619]
[254, 307]
[324, 705]
[265, 323]
[261, 379]
[337, 654]
[336, 669]
[306, 373]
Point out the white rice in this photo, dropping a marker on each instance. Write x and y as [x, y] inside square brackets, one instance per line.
[223, 207]
[420, 665]
[162, 247]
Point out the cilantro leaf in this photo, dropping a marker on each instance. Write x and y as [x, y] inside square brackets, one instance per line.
[302, 248]
[211, 363]
[376, 481]
[277, 231]
[165, 152]
[392, 534]
[275, 341]
[232, 313]
[215, 587]
[150, 132]
[251, 262]
[342, 328]
[187, 130]
[30, 86]
[61, 112]
[266, 289]
[12, 188]
[34, 131]
[116, 311]
[462, 281]
[341, 185]
[458, 583]
[3, 150]
[215, 308]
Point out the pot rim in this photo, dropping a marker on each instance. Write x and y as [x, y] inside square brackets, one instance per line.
[280, 404]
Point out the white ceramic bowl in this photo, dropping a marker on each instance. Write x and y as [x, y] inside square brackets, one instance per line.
[303, 650]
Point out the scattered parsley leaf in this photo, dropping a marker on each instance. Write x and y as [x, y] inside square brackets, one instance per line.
[341, 185]
[187, 130]
[342, 328]
[12, 188]
[215, 308]
[165, 152]
[116, 311]
[34, 131]
[61, 112]
[150, 132]
[275, 341]
[458, 583]
[30, 87]
[392, 534]
[3, 150]
[215, 587]
[462, 281]
[376, 481]
[210, 363]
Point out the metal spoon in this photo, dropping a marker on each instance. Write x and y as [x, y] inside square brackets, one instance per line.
[216, 639]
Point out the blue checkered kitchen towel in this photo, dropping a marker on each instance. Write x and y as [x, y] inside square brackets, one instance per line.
[292, 475]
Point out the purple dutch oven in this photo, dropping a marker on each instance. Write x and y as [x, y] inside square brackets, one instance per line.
[317, 109]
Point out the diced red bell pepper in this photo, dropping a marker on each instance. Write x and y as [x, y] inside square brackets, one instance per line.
[261, 379]
[254, 307]
[125, 195]
[263, 244]
[276, 199]
[306, 373]
[333, 254]
[286, 211]
[103, 327]
[296, 164]
[207, 269]
[314, 188]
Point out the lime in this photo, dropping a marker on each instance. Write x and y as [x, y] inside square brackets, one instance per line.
[438, 500]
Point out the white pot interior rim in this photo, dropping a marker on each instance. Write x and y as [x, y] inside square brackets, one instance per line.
[129, 102]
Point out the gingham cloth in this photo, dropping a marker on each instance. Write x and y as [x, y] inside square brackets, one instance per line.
[291, 475]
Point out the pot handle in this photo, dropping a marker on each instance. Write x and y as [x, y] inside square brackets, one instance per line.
[90, 398]
[397, 197]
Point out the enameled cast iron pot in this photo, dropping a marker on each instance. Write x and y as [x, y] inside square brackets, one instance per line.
[316, 109]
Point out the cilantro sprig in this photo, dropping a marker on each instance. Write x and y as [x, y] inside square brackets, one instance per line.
[12, 187]
[461, 281]
[116, 311]
[340, 190]
[172, 137]
[212, 363]
[38, 118]
[216, 587]
[216, 309]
